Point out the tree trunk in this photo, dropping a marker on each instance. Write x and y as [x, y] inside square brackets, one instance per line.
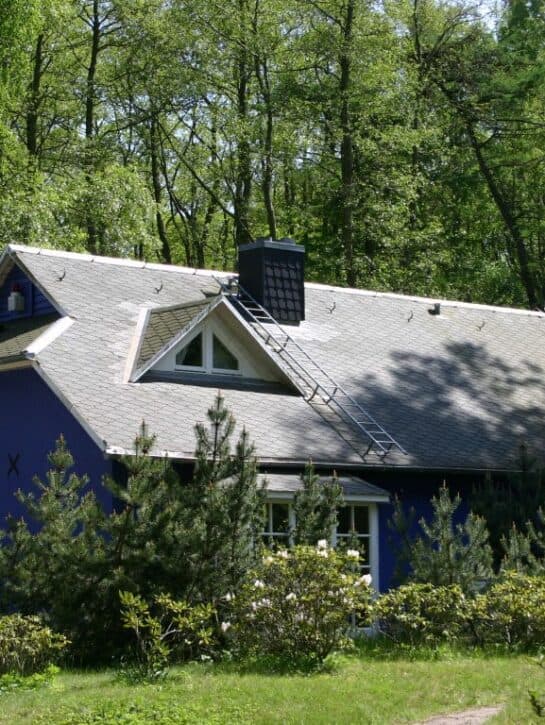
[157, 190]
[504, 208]
[243, 184]
[34, 100]
[347, 148]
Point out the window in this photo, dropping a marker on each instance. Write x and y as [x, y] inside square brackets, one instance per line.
[222, 358]
[191, 354]
[277, 524]
[206, 353]
[353, 523]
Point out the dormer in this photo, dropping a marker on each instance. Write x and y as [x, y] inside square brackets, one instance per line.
[204, 342]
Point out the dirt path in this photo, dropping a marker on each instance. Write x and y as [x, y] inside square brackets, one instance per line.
[476, 716]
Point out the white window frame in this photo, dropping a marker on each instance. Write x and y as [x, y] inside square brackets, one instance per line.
[371, 539]
[207, 354]
[269, 532]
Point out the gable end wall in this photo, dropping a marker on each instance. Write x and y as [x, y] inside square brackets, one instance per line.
[31, 420]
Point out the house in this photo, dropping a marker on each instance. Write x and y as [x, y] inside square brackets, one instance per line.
[395, 393]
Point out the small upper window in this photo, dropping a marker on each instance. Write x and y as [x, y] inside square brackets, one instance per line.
[206, 353]
[223, 359]
[191, 355]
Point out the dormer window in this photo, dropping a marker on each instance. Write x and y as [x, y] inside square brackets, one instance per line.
[206, 353]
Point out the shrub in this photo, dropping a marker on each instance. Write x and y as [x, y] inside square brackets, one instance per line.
[168, 629]
[511, 612]
[27, 646]
[296, 605]
[418, 614]
[443, 552]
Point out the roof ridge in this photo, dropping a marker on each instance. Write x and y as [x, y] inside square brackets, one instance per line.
[310, 285]
[120, 261]
[426, 300]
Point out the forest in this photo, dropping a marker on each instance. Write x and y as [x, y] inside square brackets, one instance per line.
[401, 141]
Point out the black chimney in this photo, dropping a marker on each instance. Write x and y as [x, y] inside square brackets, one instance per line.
[273, 272]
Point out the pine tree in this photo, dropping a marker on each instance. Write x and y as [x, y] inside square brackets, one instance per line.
[443, 552]
[315, 507]
[56, 568]
[222, 508]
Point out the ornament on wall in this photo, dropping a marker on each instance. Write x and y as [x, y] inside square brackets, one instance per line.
[13, 461]
[16, 300]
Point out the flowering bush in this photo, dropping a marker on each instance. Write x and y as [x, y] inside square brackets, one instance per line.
[511, 612]
[297, 604]
[418, 614]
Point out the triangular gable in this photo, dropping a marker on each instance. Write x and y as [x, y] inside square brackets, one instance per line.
[162, 330]
[37, 301]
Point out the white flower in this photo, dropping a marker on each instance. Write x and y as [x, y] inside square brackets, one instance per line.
[352, 553]
[254, 606]
[322, 544]
[265, 602]
[258, 584]
[291, 596]
[365, 579]
[323, 552]
[225, 626]
[229, 597]
[282, 554]
[268, 560]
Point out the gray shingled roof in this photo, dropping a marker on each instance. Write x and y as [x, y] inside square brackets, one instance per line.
[457, 390]
[17, 335]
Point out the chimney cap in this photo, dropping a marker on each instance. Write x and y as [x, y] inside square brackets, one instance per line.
[268, 243]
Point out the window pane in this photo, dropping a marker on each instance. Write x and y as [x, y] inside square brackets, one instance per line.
[223, 358]
[191, 355]
[361, 519]
[280, 517]
[343, 527]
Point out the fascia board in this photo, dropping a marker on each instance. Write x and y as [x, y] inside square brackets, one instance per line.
[136, 344]
[55, 330]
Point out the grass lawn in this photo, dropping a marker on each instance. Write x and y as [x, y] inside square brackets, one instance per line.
[361, 690]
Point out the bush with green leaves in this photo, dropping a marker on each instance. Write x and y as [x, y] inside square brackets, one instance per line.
[422, 614]
[296, 605]
[165, 630]
[443, 552]
[27, 646]
[511, 613]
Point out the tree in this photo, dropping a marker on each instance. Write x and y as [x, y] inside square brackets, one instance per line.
[222, 509]
[315, 508]
[443, 552]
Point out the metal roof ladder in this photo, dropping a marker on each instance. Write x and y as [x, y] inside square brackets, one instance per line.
[318, 388]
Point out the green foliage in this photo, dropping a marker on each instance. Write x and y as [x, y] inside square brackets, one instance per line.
[511, 613]
[315, 508]
[167, 630]
[193, 541]
[14, 682]
[27, 646]
[442, 552]
[537, 699]
[423, 614]
[510, 502]
[222, 512]
[295, 605]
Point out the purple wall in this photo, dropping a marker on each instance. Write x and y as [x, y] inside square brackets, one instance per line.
[31, 419]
